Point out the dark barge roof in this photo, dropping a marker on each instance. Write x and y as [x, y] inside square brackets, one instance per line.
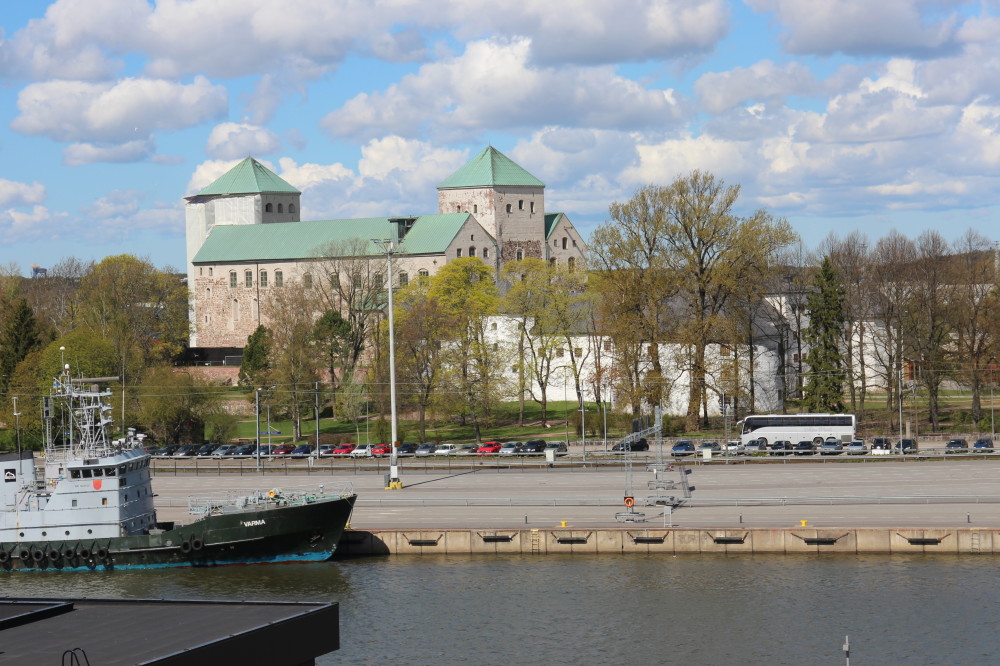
[144, 631]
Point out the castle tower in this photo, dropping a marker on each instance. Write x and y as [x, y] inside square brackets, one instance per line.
[506, 200]
[249, 193]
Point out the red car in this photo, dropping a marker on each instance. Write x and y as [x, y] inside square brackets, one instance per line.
[380, 450]
[489, 448]
[344, 449]
[283, 450]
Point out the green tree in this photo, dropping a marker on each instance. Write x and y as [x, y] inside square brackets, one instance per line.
[256, 364]
[336, 342]
[18, 337]
[175, 404]
[294, 363]
[824, 390]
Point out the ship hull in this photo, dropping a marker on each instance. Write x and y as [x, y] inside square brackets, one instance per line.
[301, 533]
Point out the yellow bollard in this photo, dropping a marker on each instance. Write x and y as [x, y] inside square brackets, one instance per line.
[803, 523]
[562, 523]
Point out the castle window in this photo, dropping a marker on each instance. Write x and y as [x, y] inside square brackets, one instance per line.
[236, 310]
[564, 243]
[486, 253]
[532, 206]
[552, 261]
[248, 278]
[472, 237]
[208, 292]
[458, 208]
[279, 278]
[268, 208]
[307, 281]
[280, 208]
[263, 278]
[574, 242]
[291, 208]
[335, 280]
[571, 264]
[378, 280]
[232, 279]
[206, 319]
[493, 326]
[475, 208]
[560, 352]
[520, 204]
[209, 271]
[423, 273]
[472, 251]
[404, 279]
[201, 270]
[458, 252]
[519, 255]
[508, 209]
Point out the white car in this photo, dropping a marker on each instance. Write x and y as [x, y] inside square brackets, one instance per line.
[735, 447]
[364, 451]
[510, 448]
[754, 446]
[446, 449]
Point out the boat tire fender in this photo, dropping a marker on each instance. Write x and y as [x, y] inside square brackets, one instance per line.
[54, 555]
[4, 556]
[69, 553]
[84, 553]
[185, 547]
[101, 553]
[38, 555]
[24, 554]
[197, 544]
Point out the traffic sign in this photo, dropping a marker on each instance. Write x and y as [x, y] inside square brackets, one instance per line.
[270, 432]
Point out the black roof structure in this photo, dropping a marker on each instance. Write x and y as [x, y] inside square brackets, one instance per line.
[141, 631]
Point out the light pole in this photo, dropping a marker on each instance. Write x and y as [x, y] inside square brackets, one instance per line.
[256, 403]
[394, 483]
[17, 426]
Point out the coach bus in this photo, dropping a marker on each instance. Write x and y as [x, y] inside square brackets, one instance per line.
[796, 427]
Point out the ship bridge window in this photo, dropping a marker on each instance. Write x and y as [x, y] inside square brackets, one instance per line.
[74, 474]
[87, 473]
[121, 468]
[98, 472]
[109, 471]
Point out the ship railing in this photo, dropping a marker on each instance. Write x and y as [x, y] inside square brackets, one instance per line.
[261, 499]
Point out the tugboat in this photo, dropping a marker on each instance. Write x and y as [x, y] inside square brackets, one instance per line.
[92, 506]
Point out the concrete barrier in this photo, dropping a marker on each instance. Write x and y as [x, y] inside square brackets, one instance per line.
[624, 540]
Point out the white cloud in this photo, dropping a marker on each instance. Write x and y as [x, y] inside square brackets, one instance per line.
[115, 112]
[492, 85]
[17, 226]
[863, 27]
[720, 91]
[234, 140]
[597, 31]
[116, 203]
[13, 193]
[77, 154]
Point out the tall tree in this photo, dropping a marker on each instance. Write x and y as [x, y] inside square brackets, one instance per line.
[256, 364]
[824, 390]
[175, 405]
[890, 292]
[18, 337]
[336, 343]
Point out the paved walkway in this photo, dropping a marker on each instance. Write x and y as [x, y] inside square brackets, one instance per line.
[885, 494]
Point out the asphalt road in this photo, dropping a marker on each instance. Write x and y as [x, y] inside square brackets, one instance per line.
[948, 493]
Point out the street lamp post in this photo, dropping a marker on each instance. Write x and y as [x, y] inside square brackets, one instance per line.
[17, 426]
[256, 403]
[394, 483]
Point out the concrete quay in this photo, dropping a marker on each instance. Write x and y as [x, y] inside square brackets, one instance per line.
[942, 506]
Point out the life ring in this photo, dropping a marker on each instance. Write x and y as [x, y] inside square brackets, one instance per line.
[629, 502]
[272, 493]
[197, 544]
[185, 547]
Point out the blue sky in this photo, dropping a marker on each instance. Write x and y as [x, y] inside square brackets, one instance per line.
[839, 115]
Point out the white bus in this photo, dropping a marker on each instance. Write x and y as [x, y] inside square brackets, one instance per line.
[795, 428]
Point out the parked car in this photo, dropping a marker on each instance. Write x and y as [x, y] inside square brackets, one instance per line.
[782, 447]
[907, 446]
[956, 446]
[166, 451]
[362, 451]
[206, 449]
[559, 447]
[637, 445]
[325, 450]
[425, 449]
[831, 447]
[856, 447]
[805, 448]
[881, 444]
[714, 447]
[983, 445]
[734, 447]
[533, 447]
[382, 450]
[302, 451]
[267, 449]
[510, 449]
[244, 450]
[682, 448]
[467, 449]
[283, 450]
[224, 450]
[754, 446]
[343, 449]
[406, 449]
[187, 450]
[489, 448]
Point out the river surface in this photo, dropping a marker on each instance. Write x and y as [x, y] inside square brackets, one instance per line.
[610, 610]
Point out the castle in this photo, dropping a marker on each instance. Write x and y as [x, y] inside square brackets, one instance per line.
[245, 238]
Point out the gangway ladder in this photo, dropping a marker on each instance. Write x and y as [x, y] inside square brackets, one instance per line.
[630, 514]
[536, 546]
[974, 545]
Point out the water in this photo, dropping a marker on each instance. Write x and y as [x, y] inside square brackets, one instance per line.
[600, 610]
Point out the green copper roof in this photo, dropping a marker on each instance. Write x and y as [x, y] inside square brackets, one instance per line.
[489, 168]
[286, 241]
[248, 177]
[551, 219]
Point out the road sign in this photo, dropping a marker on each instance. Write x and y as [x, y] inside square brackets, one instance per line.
[270, 432]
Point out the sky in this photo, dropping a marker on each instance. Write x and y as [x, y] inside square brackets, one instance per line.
[838, 115]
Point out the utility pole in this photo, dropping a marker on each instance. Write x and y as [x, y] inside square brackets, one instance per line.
[394, 483]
